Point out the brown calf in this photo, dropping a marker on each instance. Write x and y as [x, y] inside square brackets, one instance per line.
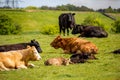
[57, 61]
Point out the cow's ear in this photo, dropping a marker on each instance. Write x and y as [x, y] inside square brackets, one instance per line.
[28, 46]
[73, 13]
[32, 40]
[58, 37]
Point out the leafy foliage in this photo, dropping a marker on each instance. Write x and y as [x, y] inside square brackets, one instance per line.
[7, 26]
[93, 21]
[31, 7]
[50, 29]
[68, 7]
[116, 26]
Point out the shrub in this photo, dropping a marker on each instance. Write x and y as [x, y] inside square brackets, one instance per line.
[7, 26]
[31, 7]
[50, 29]
[93, 21]
[116, 26]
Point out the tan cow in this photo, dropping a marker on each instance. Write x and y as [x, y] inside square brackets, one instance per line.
[74, 45]
[18, 59]
[57, 61]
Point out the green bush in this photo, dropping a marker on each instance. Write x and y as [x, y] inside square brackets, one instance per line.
[93, 21]
[31, 7]
[49, 29]
[116, 26]
[7, 25]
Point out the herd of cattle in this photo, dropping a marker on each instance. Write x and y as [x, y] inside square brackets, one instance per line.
[17, 56]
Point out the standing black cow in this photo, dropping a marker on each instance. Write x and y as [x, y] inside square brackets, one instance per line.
[20, 46]
[89, 31]
[66, 21]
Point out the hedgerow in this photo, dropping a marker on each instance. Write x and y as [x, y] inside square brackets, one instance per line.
[116, 26]
[8, 26]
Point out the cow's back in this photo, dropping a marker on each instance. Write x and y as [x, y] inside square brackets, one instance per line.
[9, 59]
[10, 47]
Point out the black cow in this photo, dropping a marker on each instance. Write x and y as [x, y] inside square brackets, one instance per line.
[66, 21]
[20, 46]
[78, 58]
[81, 58]
[89, 31]
[116, 51]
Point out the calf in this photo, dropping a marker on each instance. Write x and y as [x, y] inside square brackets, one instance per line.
[18, 59]
[74, 45]
[20, 46]
[57, 61]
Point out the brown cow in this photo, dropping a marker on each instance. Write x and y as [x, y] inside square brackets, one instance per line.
[57, 61]
[18, 59]
[74, 45]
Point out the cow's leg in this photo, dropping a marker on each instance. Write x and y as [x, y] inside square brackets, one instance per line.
[64, 32]
[2, 67]
[67, 31]
[21, 67]
[30, 65]
[60, 29]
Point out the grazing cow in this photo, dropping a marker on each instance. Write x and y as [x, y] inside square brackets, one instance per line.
[18, 59]
[90, 31]
[57, 61]
[74, 45]
[66, 21]
[81, 58]
[116, 51]
[20, 46]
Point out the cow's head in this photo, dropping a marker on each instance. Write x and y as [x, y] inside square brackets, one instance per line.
[78, 29]
[33, 53]
[71, 20]
[66, 62]
[57, 42]
[36, 44]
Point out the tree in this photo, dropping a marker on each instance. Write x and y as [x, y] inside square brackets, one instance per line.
[109, 9]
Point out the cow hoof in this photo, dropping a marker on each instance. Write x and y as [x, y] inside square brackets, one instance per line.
[31, 65]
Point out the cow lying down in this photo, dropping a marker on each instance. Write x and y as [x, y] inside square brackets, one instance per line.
[57, 61]
[89, 31]
[81, 58]
[74, 45]
[18, 59]
[116, 51]
[19, 46]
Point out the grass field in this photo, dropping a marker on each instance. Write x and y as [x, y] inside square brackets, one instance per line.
[107, 67]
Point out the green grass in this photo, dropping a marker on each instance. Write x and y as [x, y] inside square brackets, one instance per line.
[37, 20]
[107, 67]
